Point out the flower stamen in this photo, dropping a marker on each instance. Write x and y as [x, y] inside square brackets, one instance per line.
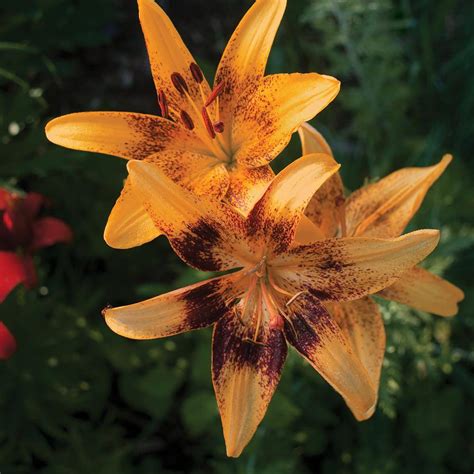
[219, 127]
[216, 92]
[179, 83]
[163, 103]
[208, 123]
[294, 297]
[196, 73]
[187, 120]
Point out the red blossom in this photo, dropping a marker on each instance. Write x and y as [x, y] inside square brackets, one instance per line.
[22, 233]
[7, 342]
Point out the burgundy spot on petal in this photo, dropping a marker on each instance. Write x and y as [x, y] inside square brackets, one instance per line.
[197, 244]
[233, 345]
[205, 304]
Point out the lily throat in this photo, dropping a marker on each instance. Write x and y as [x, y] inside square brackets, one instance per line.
[201, 112]
[261, 303]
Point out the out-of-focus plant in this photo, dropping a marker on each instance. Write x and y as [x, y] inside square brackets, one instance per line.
[22, 233]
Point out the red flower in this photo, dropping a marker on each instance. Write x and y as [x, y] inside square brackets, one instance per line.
[22, 232]
[7, 342]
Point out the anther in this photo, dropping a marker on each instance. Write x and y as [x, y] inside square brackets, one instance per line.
[163, 103]
[196, 73]
[179, 83]
[218, 127]
[208, 123]
[216, 92]
[187, 120]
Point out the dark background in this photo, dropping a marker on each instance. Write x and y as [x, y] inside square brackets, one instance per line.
[77, 398]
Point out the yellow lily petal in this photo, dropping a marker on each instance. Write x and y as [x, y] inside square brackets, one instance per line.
[350, 268]
[245, 57]
[307, 232]
[247, 186]
[202, 174]
[168, 55]
[317, 337]
[425, 291]
[313, 141]
[245, 375]
[129, 224]
[206, 234]
[275, 218]
[264, 123]
[124, 134]
[363, 326]
[326, 209]
[383, 209]
[193, 307]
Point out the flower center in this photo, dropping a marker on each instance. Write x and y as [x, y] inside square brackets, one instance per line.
[204, 109]
[262, 304]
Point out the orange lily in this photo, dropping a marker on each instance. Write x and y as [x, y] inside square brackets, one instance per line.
[214, 142]
[276, 295]
[382, 210]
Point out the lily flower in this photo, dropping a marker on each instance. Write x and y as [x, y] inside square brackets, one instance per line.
[22, 233]
[215, 141]
[7, 342]
[382, 210]
[275, 296]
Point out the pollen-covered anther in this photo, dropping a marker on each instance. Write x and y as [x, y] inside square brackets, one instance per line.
[196, 73]
[208, 123]
[219, 127]
[187, 120]
[216, 92]
[179, 83]
[163, 103]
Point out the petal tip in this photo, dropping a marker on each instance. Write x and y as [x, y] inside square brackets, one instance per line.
[446, 159]
[233, 451]
[364, 416]
[105, 310]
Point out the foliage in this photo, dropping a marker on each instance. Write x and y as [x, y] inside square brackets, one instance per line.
[77, 398]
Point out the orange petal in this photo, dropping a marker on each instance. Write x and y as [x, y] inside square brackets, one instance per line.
[274, 219]
[383, 209]
[307, 232]
[350, 268]
[264, 123]
[363, 326]
[425, 291]
[129, 224]
[124, 134]
[245, 375]
[205, 233]
[168, 55]
[193, 307]
[326, 208]
[204, 175]
[314, 333]
[247, 186]
[245, 57]
[313, 141]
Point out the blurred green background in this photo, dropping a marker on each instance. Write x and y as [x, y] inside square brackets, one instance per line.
[77, 398]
